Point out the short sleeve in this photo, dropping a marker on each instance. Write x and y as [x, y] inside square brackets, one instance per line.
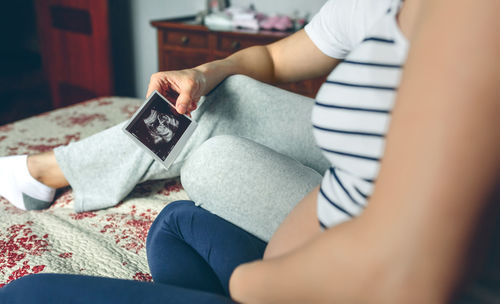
[342, 24]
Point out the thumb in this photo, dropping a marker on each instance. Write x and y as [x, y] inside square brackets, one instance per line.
[182, 103]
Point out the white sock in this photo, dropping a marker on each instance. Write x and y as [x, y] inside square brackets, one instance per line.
[20, 188]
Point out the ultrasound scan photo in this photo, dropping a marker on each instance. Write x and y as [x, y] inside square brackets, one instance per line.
[162, 127]
[158, 128]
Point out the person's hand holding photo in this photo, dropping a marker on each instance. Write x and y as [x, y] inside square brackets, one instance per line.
[183, 88]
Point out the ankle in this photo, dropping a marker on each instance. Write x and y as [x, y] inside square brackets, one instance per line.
[34, 166]
[44, 168]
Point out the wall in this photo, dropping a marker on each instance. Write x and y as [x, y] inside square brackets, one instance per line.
[136, 56]
[134, 42]
[287, 7]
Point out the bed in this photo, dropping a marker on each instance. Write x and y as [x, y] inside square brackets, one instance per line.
[108, 242]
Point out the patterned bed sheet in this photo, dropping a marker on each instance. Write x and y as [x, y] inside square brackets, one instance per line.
[107, 242]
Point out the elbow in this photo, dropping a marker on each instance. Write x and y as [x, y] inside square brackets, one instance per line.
[240, 285]
[248, 284]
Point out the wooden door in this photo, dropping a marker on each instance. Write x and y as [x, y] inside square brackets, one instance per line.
[75, 42]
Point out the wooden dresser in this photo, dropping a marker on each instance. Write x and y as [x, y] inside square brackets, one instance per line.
[183, 44]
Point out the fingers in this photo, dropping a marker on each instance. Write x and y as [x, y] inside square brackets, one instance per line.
[193, 106]
[171, 96]
[189, 96]
[182, 103]
[182, 88]
[155, 83]
[186, 108]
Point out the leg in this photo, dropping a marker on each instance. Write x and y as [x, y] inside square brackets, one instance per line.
[61, 288]
[44, 168]
[104, 168]
[270, 116]
[190, 247]
[246, 183]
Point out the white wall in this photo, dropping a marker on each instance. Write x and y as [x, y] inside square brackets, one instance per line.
[287, 7]
[145, 53]
[144, 44]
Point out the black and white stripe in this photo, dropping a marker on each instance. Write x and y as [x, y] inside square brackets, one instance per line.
[351, 118]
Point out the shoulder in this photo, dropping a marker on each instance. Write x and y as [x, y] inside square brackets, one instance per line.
[365, 13]
[341, 24]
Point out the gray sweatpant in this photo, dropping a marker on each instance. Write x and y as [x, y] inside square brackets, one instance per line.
[251, 159]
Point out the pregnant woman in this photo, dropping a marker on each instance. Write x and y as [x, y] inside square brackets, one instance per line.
[407, 123]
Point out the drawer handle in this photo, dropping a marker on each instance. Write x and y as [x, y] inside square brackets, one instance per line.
[235, 45]
[185, 40]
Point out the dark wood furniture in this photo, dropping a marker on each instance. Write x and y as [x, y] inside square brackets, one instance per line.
[184, 44]
[74, 38]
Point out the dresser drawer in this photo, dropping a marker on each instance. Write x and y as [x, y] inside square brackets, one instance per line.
[229, 43]
[178, 60]
[188, 39]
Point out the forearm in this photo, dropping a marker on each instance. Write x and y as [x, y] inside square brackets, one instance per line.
[254, 62]
[185, 87]
[350, 263]
[291, 59]
[336, 267]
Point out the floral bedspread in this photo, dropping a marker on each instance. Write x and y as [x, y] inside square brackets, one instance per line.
[108, 242]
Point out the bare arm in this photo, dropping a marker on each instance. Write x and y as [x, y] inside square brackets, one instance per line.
[290, 59]
[439, 171]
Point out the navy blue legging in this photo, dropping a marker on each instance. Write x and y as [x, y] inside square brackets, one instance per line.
[191, 255]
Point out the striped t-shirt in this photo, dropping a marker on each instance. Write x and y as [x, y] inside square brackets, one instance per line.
[352, 114]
